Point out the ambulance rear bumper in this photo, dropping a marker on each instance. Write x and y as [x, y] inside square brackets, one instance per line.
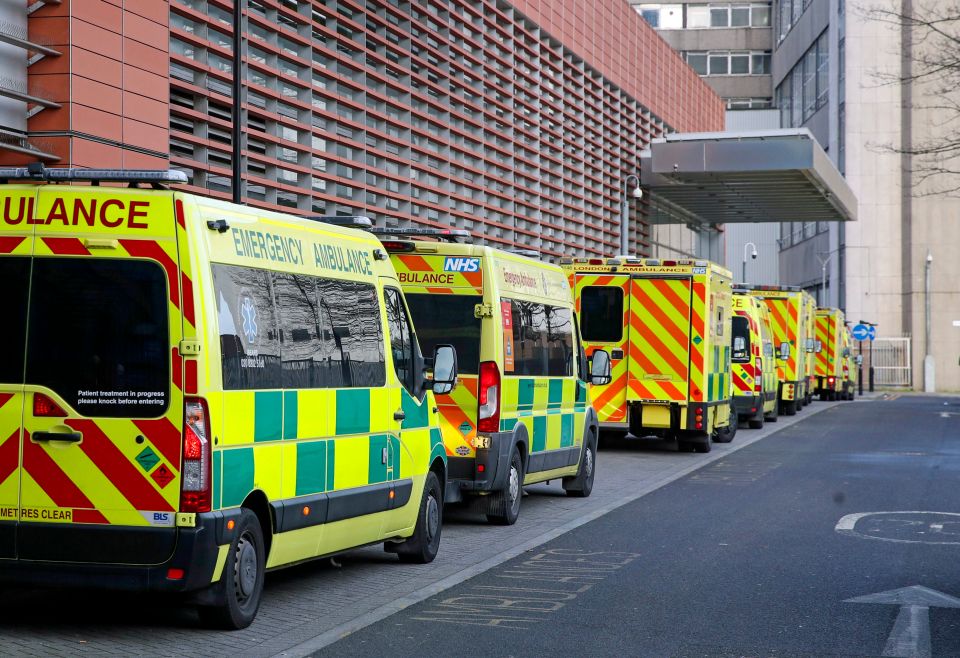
[488, 470]
[747, 405]
[194, 552]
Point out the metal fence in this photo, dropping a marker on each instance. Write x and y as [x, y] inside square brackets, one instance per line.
[891, 362]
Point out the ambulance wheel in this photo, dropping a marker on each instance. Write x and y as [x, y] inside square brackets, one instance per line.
[504, 506]
[424, 544]
[726, 434]
[756, 423]
[581, 485]
[238, 593]
[703, 446]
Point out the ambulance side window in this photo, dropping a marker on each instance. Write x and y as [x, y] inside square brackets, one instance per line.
[249, 338]
[401, 339]
[302, 329]
[542, 339]
[355, 334]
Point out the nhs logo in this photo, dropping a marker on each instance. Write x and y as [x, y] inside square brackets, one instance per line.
[461, 264]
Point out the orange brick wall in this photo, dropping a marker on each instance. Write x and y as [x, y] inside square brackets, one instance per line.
[613, 38]
[111, 80]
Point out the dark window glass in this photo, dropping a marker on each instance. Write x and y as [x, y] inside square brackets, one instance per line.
[304, 363]
[15, 274]
[249, 341]
[448, 319]
[601, 314]
[357, 336]
[741, 340]
[99, 335]
[542, 340]
[401, 339]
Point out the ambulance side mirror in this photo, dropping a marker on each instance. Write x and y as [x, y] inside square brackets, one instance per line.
[600, 368]
[811, 346]
[784, 353]
[820, 348]
[444, 369]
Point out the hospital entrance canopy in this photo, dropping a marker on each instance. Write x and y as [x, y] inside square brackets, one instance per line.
[702, 179]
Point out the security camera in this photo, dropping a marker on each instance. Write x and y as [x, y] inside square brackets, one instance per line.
[637, 193]
[754, 255]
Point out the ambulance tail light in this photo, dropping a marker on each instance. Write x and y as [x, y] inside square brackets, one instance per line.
[669, 263]
[44, 407]
[758, 377]
[488, 397]
[195, 476]
[830, 381]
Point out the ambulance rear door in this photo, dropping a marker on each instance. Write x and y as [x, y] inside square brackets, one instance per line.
[660, 315]
[16, 249]
[103, 377]
[603, 305]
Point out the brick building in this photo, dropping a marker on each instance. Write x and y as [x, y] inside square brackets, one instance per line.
[516, 121]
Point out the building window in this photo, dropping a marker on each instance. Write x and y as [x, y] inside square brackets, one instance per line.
[724, 15]
[662, 17]
[725, 62]
[805, 89]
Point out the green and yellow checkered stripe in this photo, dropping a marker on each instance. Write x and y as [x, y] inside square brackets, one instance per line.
[551, 408]
[302, 442]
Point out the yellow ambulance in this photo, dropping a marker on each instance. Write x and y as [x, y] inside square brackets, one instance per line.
[790, 320]
[666, 325]
[832, 356]
[520, 414]
[754, 373]
[810, 313]
[194, 392]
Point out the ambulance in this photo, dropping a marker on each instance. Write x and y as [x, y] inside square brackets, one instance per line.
[753, 371]
[521, 413]
[666, 325]
[833, 356]
[790, 319]
[194, 392]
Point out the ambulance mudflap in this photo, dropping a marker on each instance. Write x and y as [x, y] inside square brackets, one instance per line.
[91, 393]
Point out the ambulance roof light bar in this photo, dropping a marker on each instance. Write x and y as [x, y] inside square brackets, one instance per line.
[350, 221]
[526, 253]
[35, 171]
[445, 234]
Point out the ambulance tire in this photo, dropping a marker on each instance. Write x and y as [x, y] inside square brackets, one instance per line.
[756, 423]
[581, 485]
[689, 441]
[504, 505]
[790, 408]
[726, 434]
[240, 588]
[422, 547]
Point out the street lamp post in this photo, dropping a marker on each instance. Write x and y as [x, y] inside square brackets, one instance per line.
[753, 254]
[929, 379]
[626, 193]
[823, 274]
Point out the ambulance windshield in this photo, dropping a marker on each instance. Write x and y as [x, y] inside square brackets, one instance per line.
[449, 319]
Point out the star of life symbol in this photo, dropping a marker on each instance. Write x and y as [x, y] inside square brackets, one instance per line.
[249, 313]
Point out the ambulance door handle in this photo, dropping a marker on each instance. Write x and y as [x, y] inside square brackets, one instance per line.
[399, 415]
[68, 437]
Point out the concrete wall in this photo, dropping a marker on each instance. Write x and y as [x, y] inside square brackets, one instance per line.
[874, 256]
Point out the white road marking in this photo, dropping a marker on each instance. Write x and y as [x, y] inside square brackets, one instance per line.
[847, 525]
[910, 636]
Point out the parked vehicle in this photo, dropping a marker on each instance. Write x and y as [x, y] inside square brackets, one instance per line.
[754, 373]
[666, 324]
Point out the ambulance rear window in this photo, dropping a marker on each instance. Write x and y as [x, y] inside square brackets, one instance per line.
[601, 314]
[15, 273]
[741, 340]
[448, 319]
[98, 335]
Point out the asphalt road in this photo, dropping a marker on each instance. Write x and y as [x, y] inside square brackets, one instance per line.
[754, 555]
